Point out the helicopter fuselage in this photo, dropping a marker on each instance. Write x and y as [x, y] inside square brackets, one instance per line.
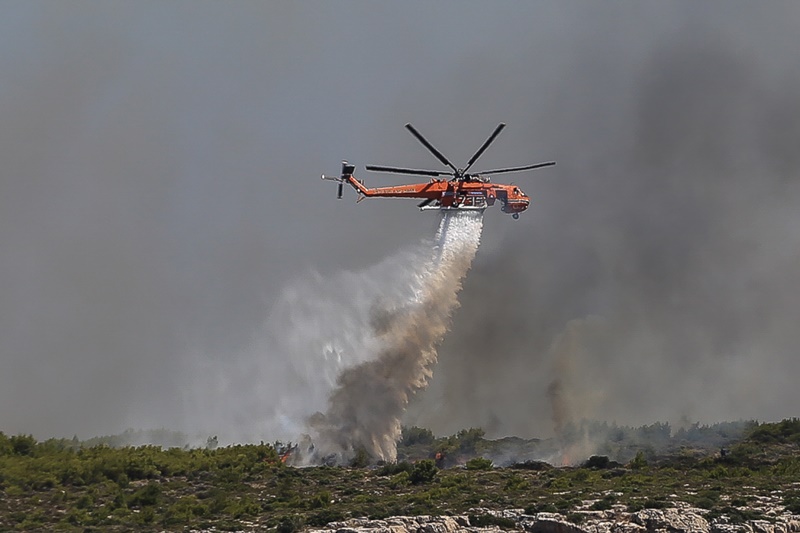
[475, 193]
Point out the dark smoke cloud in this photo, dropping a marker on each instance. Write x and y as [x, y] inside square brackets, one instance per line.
[159, 197]
[679, 230]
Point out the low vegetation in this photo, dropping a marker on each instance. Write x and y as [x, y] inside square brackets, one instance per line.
[71, 486]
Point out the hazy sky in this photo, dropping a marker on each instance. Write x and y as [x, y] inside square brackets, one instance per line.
[160, 189]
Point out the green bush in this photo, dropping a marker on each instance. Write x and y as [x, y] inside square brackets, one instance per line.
[148, 495]
[33, 521]
[186, 509]
[479, 463]
[5, 445]
[325, 517]
[320, 500]
[244, 506]
[581, 475]
[719, 472]
[84, 502]
[290, 524]
[22, 444]
[705, 499]
[603, 504]
[576, 518]
[463, 482]
[787, 466]
[791, 501]
[424, 472]
[785, 431]
[400, 480]
[639, 462]
[559, 483]
[77, 517]
[648, 503]
[215, 498]
[391, 469]
[361, 459]
[516, 483]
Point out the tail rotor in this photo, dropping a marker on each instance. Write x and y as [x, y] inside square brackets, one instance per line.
[347, 171]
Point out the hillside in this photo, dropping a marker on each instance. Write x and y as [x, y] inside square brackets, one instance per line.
[61, 484]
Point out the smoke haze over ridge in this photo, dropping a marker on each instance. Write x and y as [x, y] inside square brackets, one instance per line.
[159, 200]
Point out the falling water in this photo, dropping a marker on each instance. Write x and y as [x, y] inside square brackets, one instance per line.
[366, 406]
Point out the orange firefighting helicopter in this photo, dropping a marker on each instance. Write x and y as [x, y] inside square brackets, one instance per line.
[468, 191]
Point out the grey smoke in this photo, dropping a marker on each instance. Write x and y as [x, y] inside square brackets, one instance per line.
[675, 219]
[160, 203]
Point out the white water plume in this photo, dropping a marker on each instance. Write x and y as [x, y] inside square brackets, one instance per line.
[352, 344]
[369, 400]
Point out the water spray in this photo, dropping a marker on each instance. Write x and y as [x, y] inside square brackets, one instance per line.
[366, 406]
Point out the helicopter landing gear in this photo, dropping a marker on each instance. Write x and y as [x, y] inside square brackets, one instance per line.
[515, 216]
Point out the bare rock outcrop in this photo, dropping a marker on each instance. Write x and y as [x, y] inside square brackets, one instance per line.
[680, 519]
[672, 520]
[405, 524]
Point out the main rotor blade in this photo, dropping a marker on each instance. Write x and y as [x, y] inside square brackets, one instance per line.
[414, 171]
[430, 147]
[516, 169]
[485, 145]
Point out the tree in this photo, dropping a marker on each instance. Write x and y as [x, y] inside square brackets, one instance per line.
[5, 444]
[23, 444]
[416, 435]
[639, 461]
[361, 459]
[424, 472]
[469, 438]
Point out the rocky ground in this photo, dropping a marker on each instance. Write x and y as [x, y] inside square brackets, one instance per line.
[679, 519]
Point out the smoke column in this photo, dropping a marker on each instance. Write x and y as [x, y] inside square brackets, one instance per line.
[366, 407]
[571, 393]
